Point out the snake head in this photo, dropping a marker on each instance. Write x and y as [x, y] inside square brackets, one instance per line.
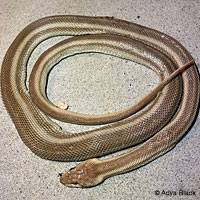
[83, 175]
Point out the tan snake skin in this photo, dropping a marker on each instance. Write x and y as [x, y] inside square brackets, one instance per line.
[159, 126]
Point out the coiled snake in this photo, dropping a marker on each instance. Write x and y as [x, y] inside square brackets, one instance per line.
[158, 127]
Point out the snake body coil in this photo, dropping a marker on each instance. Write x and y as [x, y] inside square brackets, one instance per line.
[160, 126]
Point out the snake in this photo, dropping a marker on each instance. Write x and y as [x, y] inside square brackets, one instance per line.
[152, 126]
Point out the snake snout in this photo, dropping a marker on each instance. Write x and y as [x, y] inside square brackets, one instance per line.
[70, 179]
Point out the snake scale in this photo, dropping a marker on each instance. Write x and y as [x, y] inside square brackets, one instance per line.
[157, 128]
